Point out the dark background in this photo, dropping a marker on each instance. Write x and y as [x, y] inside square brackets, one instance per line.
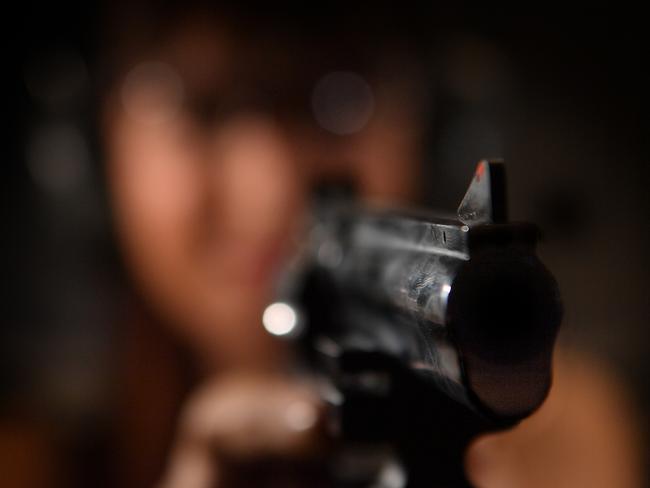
[561, 98]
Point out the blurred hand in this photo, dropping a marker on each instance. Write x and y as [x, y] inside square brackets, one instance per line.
[585, 435]
[260, 431]
[248, 430]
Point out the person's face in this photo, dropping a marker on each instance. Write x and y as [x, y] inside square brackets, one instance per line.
[207, 208]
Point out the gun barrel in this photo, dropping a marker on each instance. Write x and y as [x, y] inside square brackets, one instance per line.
[464, 300]
[432, 330]
[481, 311]
[405, 262]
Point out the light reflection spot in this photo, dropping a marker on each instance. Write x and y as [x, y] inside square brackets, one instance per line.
[280, 319]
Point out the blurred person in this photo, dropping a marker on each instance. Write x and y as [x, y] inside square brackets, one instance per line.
[212, 151]
[217, 127]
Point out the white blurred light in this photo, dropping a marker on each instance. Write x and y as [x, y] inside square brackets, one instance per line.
[444, 293]
[152, 93]
[280, 319]
[58, 158]
[342, 102]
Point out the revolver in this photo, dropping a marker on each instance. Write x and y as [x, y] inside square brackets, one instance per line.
[425, 331]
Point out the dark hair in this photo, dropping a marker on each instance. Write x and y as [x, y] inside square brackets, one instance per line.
[326, 33]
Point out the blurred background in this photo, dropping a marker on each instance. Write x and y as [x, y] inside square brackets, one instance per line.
[560, 98]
